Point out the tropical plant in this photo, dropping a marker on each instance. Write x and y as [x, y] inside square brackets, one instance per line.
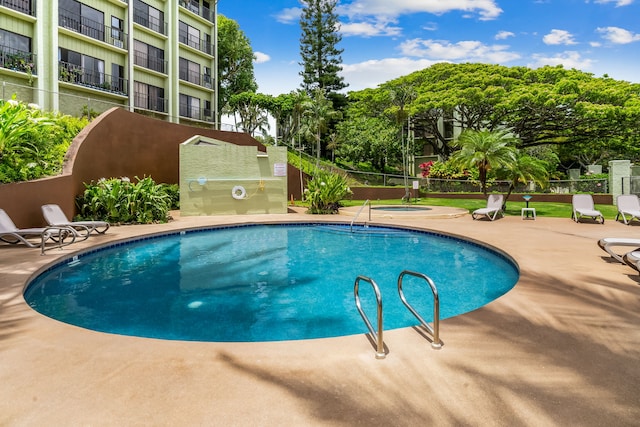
[523, 170]
[118, 200]
[485, 150]
[325, 191]
[318, 111]
[33, 142]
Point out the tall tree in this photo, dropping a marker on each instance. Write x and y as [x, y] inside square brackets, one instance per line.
[321, 60]
[235, 61]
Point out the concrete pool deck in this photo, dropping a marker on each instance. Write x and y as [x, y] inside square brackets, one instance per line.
[562, 348]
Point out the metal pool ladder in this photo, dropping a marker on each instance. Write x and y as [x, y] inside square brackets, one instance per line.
[380, 353]
[366, 202]
[435, 331]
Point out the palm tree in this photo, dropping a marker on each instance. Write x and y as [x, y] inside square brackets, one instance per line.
[318, 113]
[525, 169]
[485, 150]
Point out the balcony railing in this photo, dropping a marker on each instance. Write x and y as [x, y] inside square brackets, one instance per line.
[144, 60]
[17, 60]
[195, 42]
[94, 29]
[24, 6]
[196, 78]
[75, 74]
[194, 6]
[142, 100]
[142, 17]
[195, 113]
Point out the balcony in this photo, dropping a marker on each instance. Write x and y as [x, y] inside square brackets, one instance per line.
[93, 29]
[23, 6]
[75, 74]
[194, 6]
[17, 60]
[204, 80]
[144, 101]
[142, 17]
[195, 42]
[150, 62]
[195, 113]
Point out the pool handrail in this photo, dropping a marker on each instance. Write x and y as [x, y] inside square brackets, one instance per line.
[380, 353]
[366, 202]
[435, 331]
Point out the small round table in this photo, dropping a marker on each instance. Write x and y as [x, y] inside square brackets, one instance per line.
[527, 210]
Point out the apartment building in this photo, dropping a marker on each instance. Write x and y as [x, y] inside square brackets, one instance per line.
[155, 57]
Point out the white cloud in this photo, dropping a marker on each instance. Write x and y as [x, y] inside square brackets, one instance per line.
[569, 59]
[559, 37]
[618, 35]
[290, 15]
[260, 58]
[469, 50]
[485, 9]
[502, 35]
[617, 2]
[369, 29]
[370, 74]
[430, 26]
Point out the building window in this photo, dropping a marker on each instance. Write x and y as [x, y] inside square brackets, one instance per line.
[149, 56]
[15, 52]
[189, 71]
[117, 78]
[189, 35]
[208, 81]
[81, 18]
[148, 16]
[117, 31]
[149, 97]
[189, 106]
[78, 68]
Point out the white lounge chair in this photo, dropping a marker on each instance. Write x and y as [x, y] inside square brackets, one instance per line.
[628, 205]
[494, 207]
[607, 244]
[55, 216]
[9, 233]
[583, 207]
[633, 259]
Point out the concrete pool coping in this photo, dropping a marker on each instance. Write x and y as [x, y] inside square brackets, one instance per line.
[561, 348]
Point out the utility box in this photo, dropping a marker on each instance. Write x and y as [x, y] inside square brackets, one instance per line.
[221, 178]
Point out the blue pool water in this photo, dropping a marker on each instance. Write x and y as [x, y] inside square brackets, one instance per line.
[266, 282]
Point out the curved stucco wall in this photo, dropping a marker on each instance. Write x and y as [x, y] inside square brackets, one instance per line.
[117, 143]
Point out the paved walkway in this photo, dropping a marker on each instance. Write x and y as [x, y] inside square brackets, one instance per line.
[561, 349]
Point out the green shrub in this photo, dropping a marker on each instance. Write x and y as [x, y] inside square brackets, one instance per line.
[118, 200]
[33, 143]
[324, 192]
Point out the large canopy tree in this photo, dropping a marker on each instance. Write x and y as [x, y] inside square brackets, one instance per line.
[321, 60]
[548, 106]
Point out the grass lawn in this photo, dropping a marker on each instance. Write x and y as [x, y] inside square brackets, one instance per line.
[548, 209]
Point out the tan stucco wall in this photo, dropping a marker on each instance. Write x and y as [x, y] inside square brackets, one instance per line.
[209, 174]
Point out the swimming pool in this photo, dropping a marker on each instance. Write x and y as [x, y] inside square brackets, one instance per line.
[266, 282]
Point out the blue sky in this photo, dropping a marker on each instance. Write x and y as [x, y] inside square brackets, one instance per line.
[385, 39]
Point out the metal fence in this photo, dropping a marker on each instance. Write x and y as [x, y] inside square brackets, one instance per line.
[631, 185]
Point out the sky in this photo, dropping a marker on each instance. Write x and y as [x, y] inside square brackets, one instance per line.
[386, 39]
